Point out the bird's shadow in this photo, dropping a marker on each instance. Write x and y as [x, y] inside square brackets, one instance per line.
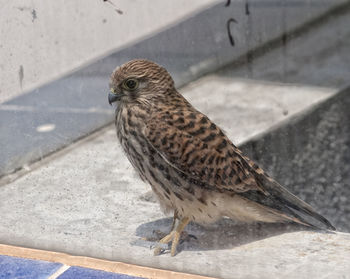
[224, 234]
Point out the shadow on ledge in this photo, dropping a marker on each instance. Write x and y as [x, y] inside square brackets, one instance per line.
[224, 234]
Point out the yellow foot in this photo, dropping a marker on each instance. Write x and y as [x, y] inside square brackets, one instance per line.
[173, 236]
[157, 235]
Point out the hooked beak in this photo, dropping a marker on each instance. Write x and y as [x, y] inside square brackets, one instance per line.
[113, 97]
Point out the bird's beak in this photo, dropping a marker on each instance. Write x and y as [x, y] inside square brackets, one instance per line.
[113, 98]
[114, 95]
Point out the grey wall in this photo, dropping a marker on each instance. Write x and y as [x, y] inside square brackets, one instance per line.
[76, 104]
[310, 155]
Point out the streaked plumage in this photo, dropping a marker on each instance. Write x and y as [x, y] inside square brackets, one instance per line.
[191, 165]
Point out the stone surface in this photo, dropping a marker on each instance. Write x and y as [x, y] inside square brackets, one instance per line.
[318, 56]
[245, 108]
[310, 154]
[87, 200]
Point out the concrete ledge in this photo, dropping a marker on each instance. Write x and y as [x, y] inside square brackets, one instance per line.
[88, 201]
[272, 254]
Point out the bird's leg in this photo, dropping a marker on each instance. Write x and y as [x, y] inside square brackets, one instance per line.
[174, 220]
[181, 226]
[173, 236]
[158, 235]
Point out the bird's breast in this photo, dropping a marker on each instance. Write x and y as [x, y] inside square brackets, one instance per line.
[174, 189]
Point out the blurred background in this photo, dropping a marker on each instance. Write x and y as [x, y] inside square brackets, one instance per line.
[272, 73]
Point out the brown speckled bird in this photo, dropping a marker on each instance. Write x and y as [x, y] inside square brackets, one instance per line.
[193, 168]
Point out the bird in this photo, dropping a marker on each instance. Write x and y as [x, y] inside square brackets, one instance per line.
[193, 168]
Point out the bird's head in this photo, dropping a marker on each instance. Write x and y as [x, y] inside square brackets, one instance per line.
[138, 80]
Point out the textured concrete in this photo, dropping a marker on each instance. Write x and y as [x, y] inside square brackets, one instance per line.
[311, 155]
[87, 200]
[318, 56]
[245, 107]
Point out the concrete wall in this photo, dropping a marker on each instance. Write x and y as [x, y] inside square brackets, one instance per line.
[42, 40]
[75, 104]
[310, 154]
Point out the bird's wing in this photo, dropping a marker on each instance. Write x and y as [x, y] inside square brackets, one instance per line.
[209, 157]
[199, 160]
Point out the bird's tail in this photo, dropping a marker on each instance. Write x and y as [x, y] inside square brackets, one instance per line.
[290, 205]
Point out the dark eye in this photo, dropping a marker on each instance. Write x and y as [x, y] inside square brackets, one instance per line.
[131, 84]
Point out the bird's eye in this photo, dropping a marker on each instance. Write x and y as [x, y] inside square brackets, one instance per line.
[131, 84]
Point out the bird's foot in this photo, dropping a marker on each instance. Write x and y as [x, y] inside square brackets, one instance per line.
[165, 240]
[173, 236]
[157, 235]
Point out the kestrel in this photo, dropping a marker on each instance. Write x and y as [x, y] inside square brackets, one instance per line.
[195, 171]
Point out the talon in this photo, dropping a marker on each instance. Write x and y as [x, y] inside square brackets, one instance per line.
[173, 236]
[157, 251]
[160, 248]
